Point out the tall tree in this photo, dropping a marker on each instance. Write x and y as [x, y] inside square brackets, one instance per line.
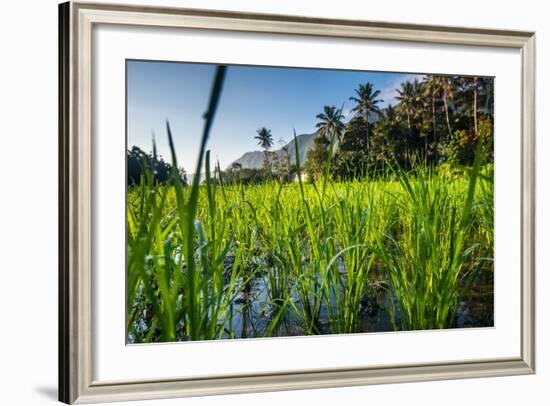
[394, 134]
[447, 88]
[317, 156]
[478, 87]
[265, 140]
[366, 103]
[467, 89]
[475, 89]
[410, 105]
[432, 90]
[351, 160]
[330, 123]
[330, 128]
[139, 163]
[407, 102]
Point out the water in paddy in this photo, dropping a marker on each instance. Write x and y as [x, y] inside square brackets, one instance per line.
[252, 311]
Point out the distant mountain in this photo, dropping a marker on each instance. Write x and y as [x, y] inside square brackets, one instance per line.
[254, 159]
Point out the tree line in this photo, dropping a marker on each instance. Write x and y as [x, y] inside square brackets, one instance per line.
[438, 119]
[139, 164]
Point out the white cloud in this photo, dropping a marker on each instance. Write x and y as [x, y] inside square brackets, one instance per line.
[389, 93]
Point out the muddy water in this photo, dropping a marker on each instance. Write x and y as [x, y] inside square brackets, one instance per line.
[252, 311]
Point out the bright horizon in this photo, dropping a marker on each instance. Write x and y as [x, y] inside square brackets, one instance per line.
[253, 96]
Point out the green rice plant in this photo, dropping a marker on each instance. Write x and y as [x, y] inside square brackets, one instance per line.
[259, 221]
[175, 260]
[484, 221]
[310, 269]
[427, 261]
[278, 273]
[151, 264]
[348, 270]
[207, 296]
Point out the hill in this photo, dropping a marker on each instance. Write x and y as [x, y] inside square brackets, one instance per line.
[254, 159]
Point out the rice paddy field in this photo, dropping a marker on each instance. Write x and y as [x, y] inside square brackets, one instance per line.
[399, 250]
[404, 251]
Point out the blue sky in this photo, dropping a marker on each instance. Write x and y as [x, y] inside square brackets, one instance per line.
[278, 98]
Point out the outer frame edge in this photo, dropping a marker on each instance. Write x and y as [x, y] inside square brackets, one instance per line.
[269, 17]
[75, 369]
[64, 342]
[256, 384]
[528, 214]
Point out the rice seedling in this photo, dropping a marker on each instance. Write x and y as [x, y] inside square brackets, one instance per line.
[427, 261]
[176, 262]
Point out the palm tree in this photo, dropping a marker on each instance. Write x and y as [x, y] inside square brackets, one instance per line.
[265, 140]
[384, 141]
[407, 102]
[486, 93]
[470, 87]
[330, 123]
[410, 104]
[392, 122]
[475, 89]
[447, 87]
[432, 90]
[366, 103]
[478, 85]
[390, 114]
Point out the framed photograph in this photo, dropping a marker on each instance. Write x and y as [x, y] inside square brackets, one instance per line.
[263, 202]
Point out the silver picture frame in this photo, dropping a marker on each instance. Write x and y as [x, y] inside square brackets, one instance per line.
[76, 21]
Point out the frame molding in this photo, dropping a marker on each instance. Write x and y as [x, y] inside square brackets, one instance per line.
[76, 21]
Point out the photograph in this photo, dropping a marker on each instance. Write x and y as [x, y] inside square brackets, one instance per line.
[290, 201]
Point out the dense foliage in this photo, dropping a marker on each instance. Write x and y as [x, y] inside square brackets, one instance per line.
[138, 163]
